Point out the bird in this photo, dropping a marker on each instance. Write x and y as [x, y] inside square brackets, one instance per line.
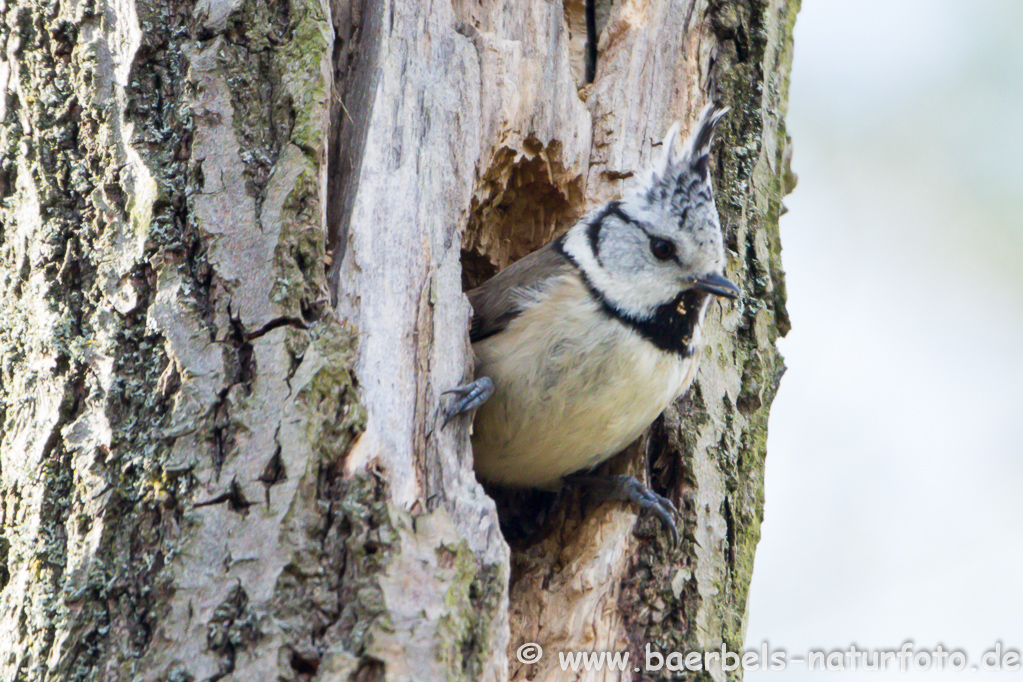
[582, 344]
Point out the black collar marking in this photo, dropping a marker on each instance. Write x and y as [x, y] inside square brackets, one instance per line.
[673, 324]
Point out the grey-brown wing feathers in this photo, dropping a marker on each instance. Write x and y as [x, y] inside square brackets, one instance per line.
[500, 299]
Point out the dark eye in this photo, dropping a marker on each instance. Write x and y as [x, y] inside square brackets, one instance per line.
[662, 248]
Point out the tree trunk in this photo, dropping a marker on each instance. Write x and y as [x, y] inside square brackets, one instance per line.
[234, 238]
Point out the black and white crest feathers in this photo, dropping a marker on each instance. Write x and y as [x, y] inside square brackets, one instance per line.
[680, 175]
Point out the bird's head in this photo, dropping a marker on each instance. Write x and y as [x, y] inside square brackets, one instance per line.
[664, 237]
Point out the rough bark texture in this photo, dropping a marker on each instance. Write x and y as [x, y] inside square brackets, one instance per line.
[234, 236]
[176, 401]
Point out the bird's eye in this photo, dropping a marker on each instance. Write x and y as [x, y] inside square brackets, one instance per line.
[662, 248]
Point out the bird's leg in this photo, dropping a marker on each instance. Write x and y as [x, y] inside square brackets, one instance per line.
[628, 489]
[470, 396]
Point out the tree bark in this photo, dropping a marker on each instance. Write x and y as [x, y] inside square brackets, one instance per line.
[234, 238]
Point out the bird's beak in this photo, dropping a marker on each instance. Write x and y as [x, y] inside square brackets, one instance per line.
[717, 285]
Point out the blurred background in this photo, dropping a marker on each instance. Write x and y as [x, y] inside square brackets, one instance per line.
[895, 459]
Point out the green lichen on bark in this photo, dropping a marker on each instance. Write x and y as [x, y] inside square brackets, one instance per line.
[750, 73]
[60, 183]
[329, 400]
[754, 76]
[95, 213]
[301, 251]
[410, 592]
[758, 176]
[365, 539]
[262, 110]
[473, 597]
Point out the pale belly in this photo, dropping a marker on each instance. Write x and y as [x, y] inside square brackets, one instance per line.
[573, 406]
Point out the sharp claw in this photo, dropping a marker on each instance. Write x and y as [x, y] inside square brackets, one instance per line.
[628, 489]
[471, 396]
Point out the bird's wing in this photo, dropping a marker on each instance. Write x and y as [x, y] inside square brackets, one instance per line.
[500, 299]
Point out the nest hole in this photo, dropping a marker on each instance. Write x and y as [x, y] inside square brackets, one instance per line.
[524, 199]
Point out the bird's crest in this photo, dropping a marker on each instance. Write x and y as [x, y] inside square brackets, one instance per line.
[679, 174]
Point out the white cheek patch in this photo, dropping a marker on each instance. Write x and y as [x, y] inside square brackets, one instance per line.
[637, 295]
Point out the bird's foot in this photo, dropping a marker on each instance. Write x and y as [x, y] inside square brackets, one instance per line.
[628, 489]
[470, 396]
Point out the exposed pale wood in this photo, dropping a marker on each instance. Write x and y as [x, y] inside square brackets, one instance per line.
[544, 151]
[234, 241]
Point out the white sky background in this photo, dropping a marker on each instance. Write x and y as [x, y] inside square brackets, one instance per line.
[895, 459]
